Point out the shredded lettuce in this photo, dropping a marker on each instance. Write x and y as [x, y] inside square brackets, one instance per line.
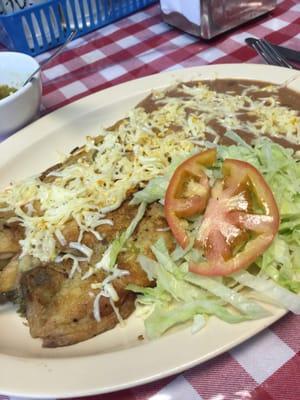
[150, 295]
[181, 296]
[289, 300]
[110, 256]
[179, 252]
[230, 296]
[281, 170]
[199, 321]
[237, 139]
[149, 266]
[163, 319]
[161, 253]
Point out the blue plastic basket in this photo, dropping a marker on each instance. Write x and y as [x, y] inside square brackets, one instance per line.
[43, 26]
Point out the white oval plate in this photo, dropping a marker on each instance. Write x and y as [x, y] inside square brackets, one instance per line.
[116, 359]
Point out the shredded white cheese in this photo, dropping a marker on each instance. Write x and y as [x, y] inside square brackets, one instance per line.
[107, 290]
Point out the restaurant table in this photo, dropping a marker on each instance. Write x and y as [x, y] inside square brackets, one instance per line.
[266, 367]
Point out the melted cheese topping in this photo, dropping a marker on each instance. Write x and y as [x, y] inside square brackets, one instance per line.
[97, 178]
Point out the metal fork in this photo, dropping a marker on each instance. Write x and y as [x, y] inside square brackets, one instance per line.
[269, 53]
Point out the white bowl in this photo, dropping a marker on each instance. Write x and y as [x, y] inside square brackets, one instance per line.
[19, 108]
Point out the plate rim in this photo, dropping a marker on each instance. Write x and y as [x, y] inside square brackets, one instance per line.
[35, 132]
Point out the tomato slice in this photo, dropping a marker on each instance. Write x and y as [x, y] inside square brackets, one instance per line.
[232, 234]
[240, 215]
[188, 193]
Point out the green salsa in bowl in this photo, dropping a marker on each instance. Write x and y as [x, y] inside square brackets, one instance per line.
[6, 91]
[19, 103]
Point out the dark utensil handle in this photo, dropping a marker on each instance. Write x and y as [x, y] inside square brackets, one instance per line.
[290, 54]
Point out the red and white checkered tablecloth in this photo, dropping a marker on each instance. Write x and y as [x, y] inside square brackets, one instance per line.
[267, 367]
